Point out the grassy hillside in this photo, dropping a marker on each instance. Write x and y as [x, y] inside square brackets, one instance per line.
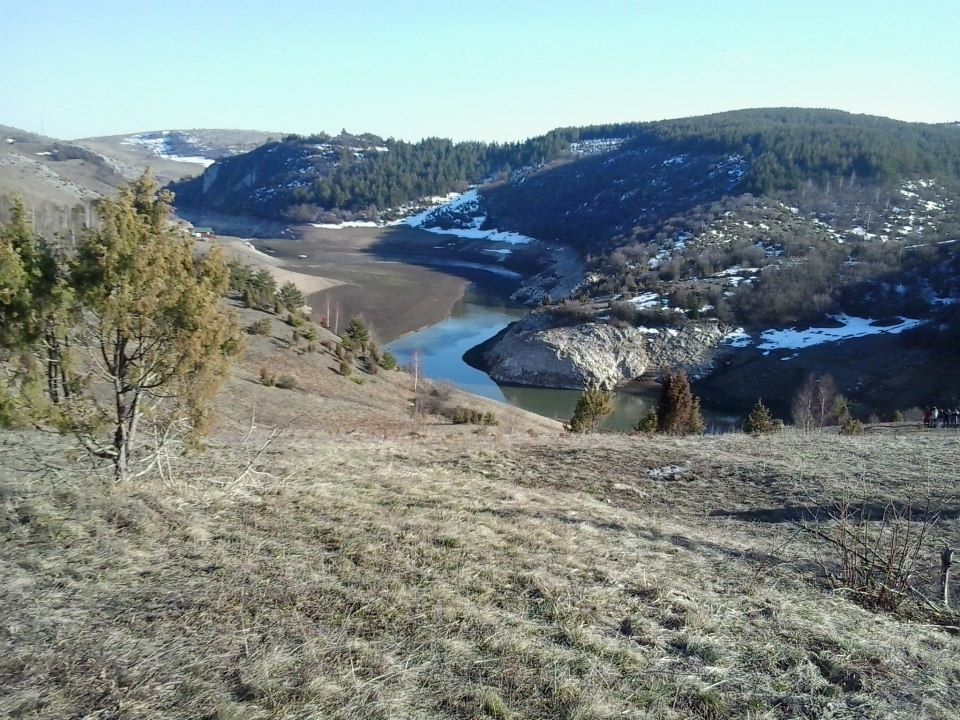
[358, 564]
[163, 151]
[53, 177]
[59, 179]
[458, 576]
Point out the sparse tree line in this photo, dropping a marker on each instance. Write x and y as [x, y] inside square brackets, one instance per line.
[677, 412]
[354, 348]
[120, 336]
[815, 406]
[814, 274]
[258, 290]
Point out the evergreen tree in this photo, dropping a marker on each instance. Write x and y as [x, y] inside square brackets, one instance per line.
[148, 308]
[593, 406]
[759, 420]
[36, 304]
[357, 333]
[678, 411]
[289, 297]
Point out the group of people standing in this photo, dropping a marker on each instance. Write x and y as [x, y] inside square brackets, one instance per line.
[941, 417]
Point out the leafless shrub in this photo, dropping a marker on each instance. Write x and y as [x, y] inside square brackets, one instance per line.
[882, 557]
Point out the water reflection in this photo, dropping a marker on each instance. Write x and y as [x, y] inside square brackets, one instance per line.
[480, 315]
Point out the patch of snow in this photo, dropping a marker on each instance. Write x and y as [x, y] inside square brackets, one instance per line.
[438, 202]
[859, 231]
[161, 147]
[737, 338]
[45, 152]
[459, 209]
[511, 238]
[851, 327]
[648, 299]
[348, 224]
[737, 270]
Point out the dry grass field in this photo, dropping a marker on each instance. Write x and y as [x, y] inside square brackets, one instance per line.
[363, 565]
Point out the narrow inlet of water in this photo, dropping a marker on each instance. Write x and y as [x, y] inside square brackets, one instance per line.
[481, 314]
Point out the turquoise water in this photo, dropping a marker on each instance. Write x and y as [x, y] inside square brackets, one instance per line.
[479, 316]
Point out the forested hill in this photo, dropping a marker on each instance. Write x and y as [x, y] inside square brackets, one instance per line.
[346, 176]
[364, 176]
[789, 146]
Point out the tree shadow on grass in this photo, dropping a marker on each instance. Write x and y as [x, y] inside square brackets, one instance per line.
[874, 510]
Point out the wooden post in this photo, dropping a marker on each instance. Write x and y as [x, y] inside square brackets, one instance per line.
[946, 560]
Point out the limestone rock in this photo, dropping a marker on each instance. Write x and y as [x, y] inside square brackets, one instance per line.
[535, 351]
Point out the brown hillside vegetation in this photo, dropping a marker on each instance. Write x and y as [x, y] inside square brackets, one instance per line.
[364, 565]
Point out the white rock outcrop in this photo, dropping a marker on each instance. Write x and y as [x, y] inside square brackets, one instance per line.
[535, 352]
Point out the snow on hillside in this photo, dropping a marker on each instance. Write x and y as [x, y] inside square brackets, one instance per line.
[850, 327]
[462, 217]
[457, 214]
[792, 339]
[164, 145]
[349, 224]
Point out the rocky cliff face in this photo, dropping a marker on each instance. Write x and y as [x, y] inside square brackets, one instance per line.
[535, 352]
[558, 282]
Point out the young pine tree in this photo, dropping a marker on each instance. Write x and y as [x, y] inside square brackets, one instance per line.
[358, 334]
[593, 406]
[759, 419]
[648, 423]
[289, 297]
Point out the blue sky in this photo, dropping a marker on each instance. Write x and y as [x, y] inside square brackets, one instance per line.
[481, 69]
